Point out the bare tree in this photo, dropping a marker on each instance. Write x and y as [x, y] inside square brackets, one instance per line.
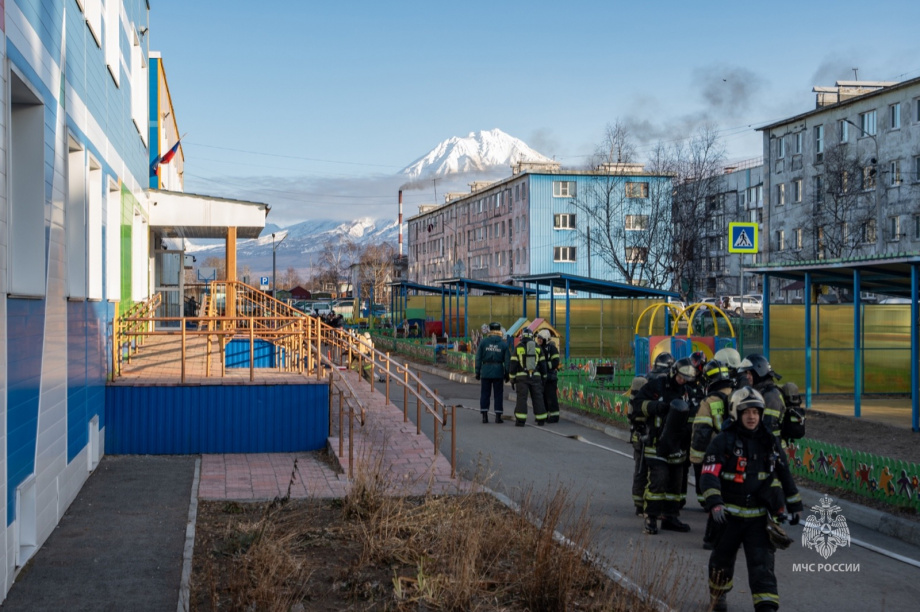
[290, 279]
[218, 264]
[625, 217]
[334, 260]
[842, 204]
[698, 205]
[376, 270]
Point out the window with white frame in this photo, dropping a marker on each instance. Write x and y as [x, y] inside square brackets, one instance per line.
[843, 131]
[867, 231]
[636, 190]
[819, 143]
[894, 228]
[112, 36]
[780, 240]
[797, 235]
[780, 194]
[636, 254]
[894, 172]
[563, 189]
[564, 253]
[798, 143]
[636, 222]
[797, 190]
[894, 116]
[780, 147]
[564, 221]
[868, 123]
[92, 10]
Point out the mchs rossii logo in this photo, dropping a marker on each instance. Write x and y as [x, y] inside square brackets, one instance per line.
[825, 531]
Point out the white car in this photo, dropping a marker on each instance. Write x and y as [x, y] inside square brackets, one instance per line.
[752, 304]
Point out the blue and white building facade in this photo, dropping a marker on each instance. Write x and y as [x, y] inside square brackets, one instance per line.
[530, 223]
[74, 166]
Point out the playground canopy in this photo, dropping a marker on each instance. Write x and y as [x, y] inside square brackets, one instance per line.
[895, 275]
[571, 282]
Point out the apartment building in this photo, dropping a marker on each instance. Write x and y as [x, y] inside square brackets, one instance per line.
[841, 180]
[539, 220]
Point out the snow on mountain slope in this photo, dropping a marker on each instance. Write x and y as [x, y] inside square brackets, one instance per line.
[479, 151]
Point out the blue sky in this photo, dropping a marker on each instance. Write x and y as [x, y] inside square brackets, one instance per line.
[312, 106]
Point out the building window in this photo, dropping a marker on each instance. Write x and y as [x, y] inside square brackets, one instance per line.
[819, 190]
[780, 147]
[780, 194]
[797, 234]
[563, 189]
[916, 227]
[819, 143]
[636, 254]
[636, 190]
[636, 222]
[867, 231]
[894, 116]
[894, 173]
[917, 169]
[564, 221]
[868, 178]
[798, 143]
[565, 253]
[797, 190]
[867, 123]
[843, 131]
[780, 240]
[894, 228]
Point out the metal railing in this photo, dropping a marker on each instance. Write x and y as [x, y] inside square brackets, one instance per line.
[302, 345]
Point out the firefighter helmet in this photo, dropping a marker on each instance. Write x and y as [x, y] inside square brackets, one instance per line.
[527, 333]
[544, 334]
[716, 371]
[758, 366]
[729, 357]
[685, 368]
[743, 399]
[698, 359]
[663, 361]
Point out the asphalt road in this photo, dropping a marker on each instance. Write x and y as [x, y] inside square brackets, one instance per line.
[596, 470]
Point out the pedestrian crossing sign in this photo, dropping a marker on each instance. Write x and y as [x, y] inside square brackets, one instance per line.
[742, 238]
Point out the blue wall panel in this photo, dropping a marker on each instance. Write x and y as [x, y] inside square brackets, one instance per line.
[76, 379]
[25, 331]
[237, 354]
[178, 420]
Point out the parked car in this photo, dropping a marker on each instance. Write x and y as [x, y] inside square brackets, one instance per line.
[895, 300]
[752, 304]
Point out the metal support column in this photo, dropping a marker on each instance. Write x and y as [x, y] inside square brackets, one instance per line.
[914, 348]
[807, 302]
[568, 327]
[765, 313]
[857, 347]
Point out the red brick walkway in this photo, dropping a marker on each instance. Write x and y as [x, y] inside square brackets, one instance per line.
[384, 445]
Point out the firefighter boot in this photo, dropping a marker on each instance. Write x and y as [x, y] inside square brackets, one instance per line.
[485, 417]
[718, 603]
[672, 523]
[651, 525]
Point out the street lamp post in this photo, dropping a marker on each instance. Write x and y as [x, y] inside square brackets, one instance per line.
[274, 246]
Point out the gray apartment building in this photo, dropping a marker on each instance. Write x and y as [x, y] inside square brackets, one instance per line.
[841, 181]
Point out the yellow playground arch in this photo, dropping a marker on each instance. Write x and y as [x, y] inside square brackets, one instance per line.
[672, 340]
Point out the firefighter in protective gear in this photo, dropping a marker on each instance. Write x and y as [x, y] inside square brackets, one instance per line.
[492, 363]
[662, 402]
[707, 423]
[745, 479]
[730, 358]
[551, 384]
[757, 372]
[528, 371]
[638, 429]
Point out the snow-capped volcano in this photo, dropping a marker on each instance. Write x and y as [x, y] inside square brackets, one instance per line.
[477, 152]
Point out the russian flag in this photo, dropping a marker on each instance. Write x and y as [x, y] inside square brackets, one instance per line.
[171, 153]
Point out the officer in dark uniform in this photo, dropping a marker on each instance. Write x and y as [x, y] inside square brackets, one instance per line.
[638, 429]
[551, 384]
[663, 403]
[528, 371]
[746, 483]
[492, 362]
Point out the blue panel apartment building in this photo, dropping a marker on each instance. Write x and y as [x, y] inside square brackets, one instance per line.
[535, 222]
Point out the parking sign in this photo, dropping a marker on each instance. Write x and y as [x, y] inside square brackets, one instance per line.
[742, 238]
[263, 282]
